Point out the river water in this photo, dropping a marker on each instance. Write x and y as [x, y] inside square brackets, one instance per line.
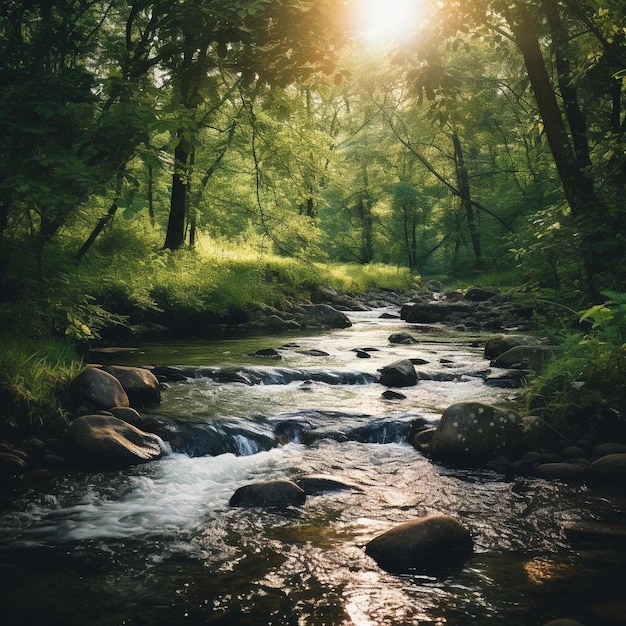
[158, 544]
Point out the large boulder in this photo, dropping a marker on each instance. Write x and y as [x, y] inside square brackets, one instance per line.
[471, 433]
[499, 344]
[523, 357]
[401, 373]
[480, 294]
[403, 338]
[609, 469]
[325, 316]
[269, 493]
[438, 311]
[426, 544]
[106, 442]
[140, 384]
[97, 390]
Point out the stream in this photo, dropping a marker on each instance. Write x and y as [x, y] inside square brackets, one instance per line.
[159, 544]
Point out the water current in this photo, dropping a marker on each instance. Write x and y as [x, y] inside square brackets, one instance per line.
[159, 544]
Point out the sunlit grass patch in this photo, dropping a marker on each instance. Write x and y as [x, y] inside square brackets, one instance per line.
[34, 374]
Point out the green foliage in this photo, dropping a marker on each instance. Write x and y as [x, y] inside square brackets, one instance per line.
[582, 391]
[609, 319]
[34, 375]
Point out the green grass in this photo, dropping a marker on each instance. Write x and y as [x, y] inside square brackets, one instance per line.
[34, 375]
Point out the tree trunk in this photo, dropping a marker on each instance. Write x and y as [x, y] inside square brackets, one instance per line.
[577, 187]
[465, 195]
[175, 236]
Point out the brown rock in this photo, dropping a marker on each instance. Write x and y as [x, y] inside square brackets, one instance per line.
[424, 543]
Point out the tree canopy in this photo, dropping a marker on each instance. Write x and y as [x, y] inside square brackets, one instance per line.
[489, 134]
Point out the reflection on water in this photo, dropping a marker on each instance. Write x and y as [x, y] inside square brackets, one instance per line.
[158, 544]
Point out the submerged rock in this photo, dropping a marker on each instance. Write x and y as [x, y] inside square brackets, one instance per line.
[270, 493]
[425, 543]
[320, 483]
[106, 442]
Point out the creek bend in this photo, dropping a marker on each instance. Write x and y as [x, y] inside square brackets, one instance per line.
[158, 544]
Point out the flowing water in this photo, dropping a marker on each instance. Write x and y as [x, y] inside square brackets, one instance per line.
[158, 544]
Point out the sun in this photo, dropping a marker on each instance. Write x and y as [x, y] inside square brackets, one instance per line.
[386, 21]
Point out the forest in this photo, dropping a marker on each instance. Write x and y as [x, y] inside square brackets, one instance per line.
[207, 157]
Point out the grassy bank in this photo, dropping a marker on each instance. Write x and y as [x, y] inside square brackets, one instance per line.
[54, 310]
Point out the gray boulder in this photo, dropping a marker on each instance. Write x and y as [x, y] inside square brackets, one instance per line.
[479, 294]
[325, 316]
[523, 357]
[566, 472]
[140, 384]
[471, 433]
[438, 311]
[403, 338]
[106, 442]
[499, 344]
[401, 373]
[426, 543]
[97, 390]
[270, 493]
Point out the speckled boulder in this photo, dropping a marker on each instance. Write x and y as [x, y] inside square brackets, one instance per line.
[269, 493]
[471, 433]
[425, 543]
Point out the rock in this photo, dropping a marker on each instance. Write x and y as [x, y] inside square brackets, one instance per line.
[398, 374]
[271, 493]
[567, 472]
[325, 316]
[268, 353]
[11, 465]
[512, 379]
[564, 621]
[392, 395]
[320, 483]
[602, 449]
[276, 323]
[403, 338]
[609, 469]
[586, 532]
[479, 294]
[434, 286]
[140, 384]
[426, 543]
[439, 311]
[107, 442]
[470, 433]
[96, 389]
[499, 344]
[128, 415]
[363, 354]
[522, 357]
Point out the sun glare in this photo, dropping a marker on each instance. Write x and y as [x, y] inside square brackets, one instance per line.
[384, 21]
